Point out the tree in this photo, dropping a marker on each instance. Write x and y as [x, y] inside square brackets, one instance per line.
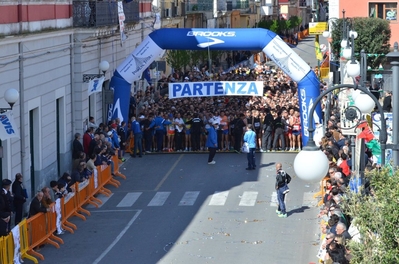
[178, 59]
[377, 218]
[373, 36]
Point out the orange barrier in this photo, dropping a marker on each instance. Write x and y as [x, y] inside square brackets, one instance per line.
[40, 228]
[130, 145]
[24, 241]
[40, 232]
[116, 168]
[83, 196]
[69, 208]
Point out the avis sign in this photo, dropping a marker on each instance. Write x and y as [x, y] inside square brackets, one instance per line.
[8, 129]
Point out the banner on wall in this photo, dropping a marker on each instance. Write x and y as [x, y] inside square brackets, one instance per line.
[121, 17]
[8, 128]
[95, 85]
[199, 89]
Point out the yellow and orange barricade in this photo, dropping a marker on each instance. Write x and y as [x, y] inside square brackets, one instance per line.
[40, 228]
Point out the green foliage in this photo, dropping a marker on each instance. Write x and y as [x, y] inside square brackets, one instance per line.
[373, 36]
[178, 59]
[282, 25]
[377, 218]
[295, 21]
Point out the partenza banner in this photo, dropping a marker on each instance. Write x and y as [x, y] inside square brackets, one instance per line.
[153, 46]
[196, 89]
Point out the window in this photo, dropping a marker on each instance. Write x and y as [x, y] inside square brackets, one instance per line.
[386, 11]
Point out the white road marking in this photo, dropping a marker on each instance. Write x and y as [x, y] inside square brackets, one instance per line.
[129, 199]
[189, 198]
[159, 199]
[274, 201]
[248, 199]
[219, 198]
[109, 248]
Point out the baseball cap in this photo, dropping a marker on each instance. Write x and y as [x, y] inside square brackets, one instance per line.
[114, 125]
[186, 78]
[109, 133]
[141, 117]
[215, 123]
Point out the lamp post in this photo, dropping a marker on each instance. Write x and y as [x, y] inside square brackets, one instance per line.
[11, 96]
[304, 163]
[103, 66]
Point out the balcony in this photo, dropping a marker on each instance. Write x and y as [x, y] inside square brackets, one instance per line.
[99, 13]
[237, 5]
[199, 7]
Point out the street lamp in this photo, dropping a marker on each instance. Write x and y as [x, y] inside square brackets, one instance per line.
[103, 66]
[11, 96]
[311, 164]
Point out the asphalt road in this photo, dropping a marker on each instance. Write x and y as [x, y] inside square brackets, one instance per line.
[175, 208]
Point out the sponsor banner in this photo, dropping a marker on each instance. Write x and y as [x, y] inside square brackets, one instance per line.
[286, 59]
[317, 28]
[8, 128]
[308, 91]
[121, 17]
[95, 85]
[120, 107]
[199, 89]
[134, 65]
[212, 38]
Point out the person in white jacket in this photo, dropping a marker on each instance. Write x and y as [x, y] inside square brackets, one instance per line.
[250, 139]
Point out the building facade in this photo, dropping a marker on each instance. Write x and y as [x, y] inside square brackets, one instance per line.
[47, 47]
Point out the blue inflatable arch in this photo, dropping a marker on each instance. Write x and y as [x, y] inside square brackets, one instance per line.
[216, 39]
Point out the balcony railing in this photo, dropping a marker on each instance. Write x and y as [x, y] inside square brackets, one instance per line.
[199, 7]
[99, 13]
[237, 5]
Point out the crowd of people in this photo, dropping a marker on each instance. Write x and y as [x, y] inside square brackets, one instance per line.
[169, 125]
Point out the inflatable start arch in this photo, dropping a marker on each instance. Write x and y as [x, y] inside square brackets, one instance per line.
[275, 48]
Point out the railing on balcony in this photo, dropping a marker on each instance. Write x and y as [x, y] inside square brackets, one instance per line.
[199, 6]
[237, 5]
[99, 13]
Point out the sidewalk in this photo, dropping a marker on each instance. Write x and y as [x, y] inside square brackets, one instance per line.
[306, 50]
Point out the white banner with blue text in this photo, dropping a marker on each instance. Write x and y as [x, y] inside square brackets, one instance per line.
[8, 128]
[95, 85]
[217, 88]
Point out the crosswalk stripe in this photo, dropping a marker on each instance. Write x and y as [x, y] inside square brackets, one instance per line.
[159, 199]
[189, 198]
[219, 198]
[248, 199]
[274, 201]
[129, 199]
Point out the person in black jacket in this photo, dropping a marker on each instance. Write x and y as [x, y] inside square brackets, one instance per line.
[282, 181]
[268, 126]
[77, 147]
[5, 217]
[7, 198]
[196, 128]
[19, 193]
[36, 205]
[387, 103]
[279, 128]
